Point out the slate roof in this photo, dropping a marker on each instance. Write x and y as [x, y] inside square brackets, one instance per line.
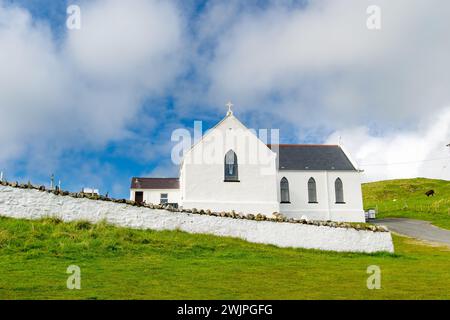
[312, 157]
[155, 183]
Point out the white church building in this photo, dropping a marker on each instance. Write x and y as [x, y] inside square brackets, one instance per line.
[230, 168]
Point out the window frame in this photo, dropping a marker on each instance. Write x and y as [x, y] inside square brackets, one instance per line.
[339, 187]
[228, 177]
[161, 198]
[312, 192]
[284, 182]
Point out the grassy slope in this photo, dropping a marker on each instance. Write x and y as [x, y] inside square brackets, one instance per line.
[118, 263]
[406, 198]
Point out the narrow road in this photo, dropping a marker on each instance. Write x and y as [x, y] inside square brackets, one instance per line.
[419, 229]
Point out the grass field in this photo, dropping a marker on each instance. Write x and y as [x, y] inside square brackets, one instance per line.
[406, 198]
[119, 263]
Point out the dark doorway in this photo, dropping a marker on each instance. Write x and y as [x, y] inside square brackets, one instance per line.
[139, 196]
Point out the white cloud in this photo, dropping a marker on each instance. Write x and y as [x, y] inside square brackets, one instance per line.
[401, 154]
[134, 44]
[316, 68]
[82, 92]
[320, 65]
[32, 80]
[320, 69]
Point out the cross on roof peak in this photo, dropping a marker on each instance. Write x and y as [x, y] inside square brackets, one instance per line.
[229, 105]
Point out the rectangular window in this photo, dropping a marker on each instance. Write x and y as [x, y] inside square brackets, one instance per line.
[164, 199]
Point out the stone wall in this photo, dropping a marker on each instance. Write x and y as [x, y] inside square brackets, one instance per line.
[28, 202]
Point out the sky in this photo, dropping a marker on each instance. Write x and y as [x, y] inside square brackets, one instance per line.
[97, 105]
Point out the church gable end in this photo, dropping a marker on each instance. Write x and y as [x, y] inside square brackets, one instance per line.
[231, 169]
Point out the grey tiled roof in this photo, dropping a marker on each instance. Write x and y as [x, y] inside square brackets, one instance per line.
[312, 157]
[155, 183]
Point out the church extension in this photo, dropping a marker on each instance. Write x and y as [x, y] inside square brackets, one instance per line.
[241, 173]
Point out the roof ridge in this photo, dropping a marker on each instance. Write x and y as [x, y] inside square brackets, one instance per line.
[154, 178]
[302, 145]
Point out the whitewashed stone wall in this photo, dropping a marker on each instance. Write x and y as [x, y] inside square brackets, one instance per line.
[34, 204]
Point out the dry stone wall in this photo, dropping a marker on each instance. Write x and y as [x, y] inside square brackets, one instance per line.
[30, 202]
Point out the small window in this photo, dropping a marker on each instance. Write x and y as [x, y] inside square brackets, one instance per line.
[164, 199]
[284, 190]
[312, 192]
[231, 167]
[339, 190]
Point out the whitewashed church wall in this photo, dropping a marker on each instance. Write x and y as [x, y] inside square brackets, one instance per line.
[298, 193]
[203, 172]
[325, 208]
[352, 209]
[206, 189]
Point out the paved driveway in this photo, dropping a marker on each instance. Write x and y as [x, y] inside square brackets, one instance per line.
[418, 229]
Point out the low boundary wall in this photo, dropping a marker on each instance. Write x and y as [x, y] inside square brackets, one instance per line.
[34, 204]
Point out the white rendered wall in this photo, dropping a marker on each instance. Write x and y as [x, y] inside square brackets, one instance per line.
[154, 195]
[202, 172]
[352, 209]
[298, 194]
[325, 208]
[33, 204]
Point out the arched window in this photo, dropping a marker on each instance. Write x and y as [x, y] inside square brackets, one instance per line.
[339, 190]
[312, 193]
[231, 166]
[284, 190]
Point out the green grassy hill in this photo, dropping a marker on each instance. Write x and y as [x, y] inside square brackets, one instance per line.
[120, 263]
[406, 198]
